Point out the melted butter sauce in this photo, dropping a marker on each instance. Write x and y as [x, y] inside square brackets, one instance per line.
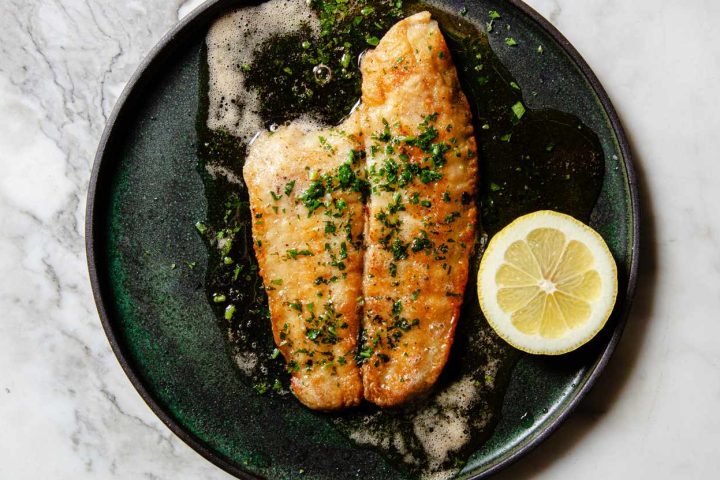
[271, 64]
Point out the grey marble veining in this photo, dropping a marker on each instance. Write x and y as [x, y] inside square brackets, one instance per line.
[68, 412]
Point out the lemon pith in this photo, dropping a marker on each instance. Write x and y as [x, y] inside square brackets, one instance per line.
[547, 283]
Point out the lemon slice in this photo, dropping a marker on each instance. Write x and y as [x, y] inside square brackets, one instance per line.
[547, 283]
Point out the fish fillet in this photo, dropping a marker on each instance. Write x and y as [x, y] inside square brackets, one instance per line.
[422, 168]
[307, 208]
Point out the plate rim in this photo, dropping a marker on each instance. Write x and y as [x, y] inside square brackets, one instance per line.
[100, 169]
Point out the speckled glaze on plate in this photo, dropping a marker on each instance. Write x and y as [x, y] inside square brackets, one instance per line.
[147, 268]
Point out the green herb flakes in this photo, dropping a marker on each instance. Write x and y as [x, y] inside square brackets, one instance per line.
[518, 110]
[200, 227]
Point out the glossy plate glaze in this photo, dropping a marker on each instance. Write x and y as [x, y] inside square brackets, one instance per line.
[148, 269]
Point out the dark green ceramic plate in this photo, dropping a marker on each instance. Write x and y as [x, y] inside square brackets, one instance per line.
[148, 268]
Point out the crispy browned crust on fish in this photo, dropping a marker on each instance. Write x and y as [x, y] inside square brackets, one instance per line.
[418, 235]
[313, 277]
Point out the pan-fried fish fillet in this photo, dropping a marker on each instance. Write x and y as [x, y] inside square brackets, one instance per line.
[305, 198]
[422, 167]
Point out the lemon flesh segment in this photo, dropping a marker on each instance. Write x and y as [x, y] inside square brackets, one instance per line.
[547, 283]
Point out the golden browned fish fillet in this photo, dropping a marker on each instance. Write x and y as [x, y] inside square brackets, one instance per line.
[305, 198]
[422, 167]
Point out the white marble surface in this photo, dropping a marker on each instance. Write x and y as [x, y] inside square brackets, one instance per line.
[68, 412]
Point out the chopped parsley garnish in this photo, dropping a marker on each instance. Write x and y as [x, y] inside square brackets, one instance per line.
[427, 175]
[518, 110]
[201, 228]
[422, 242]
[399, 250]
[366, 352]
[261, 388]
[311, 197]
[450, 217]
[510, 42]
[494, 15]
[294, 253]
[289, 187]
[392, 269]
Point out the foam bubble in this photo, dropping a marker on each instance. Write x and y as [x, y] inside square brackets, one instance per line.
[246, 361]
[215, 170]
[444, 428]
[231, 42]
